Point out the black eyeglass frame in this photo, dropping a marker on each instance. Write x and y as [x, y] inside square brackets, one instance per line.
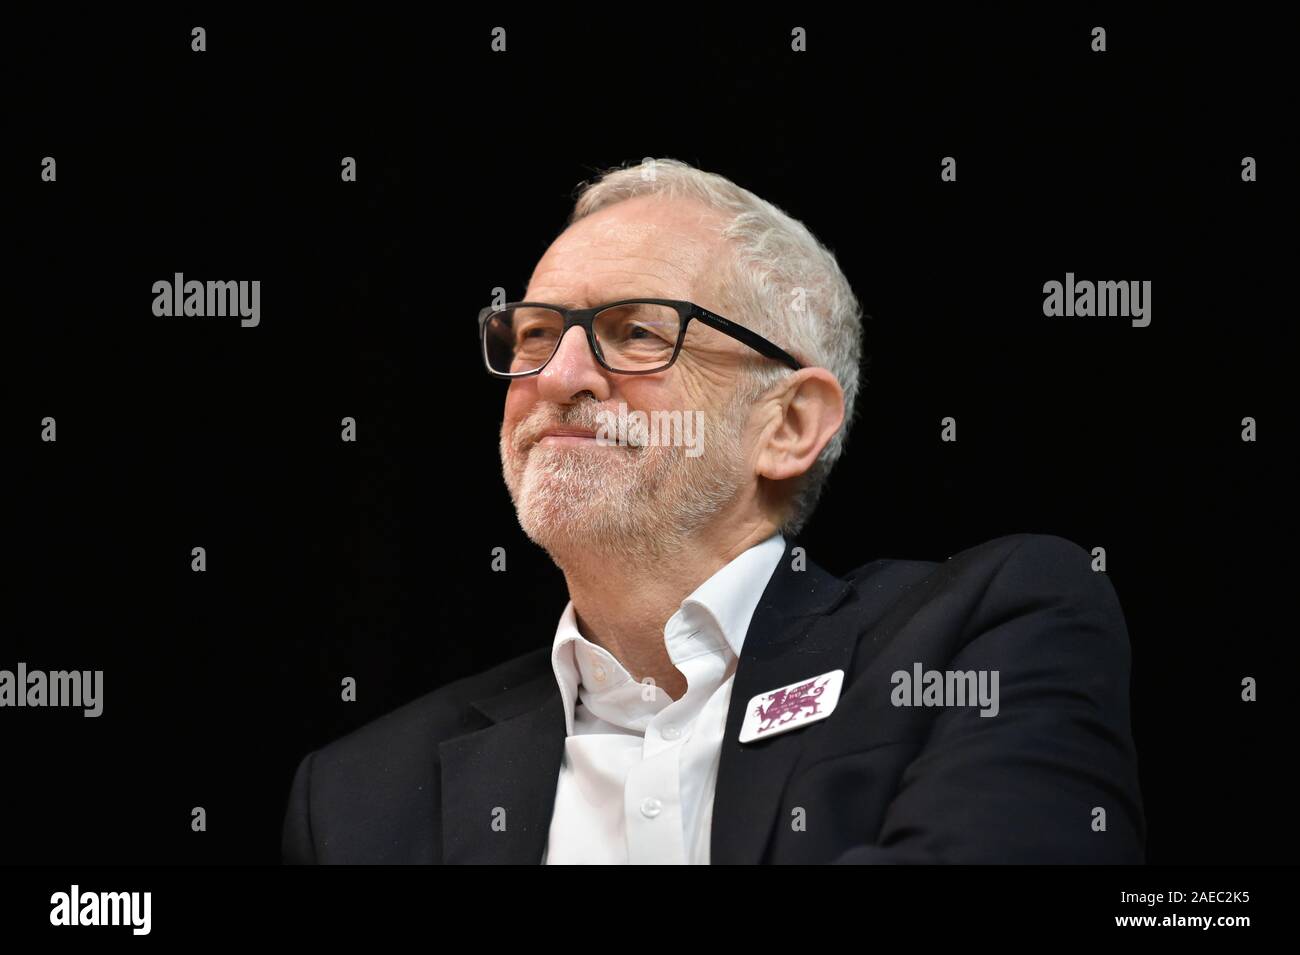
[586, 317]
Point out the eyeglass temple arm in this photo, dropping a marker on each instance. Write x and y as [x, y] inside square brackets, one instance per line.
[743, 334]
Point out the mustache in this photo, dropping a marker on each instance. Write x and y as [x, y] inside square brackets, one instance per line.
[586, 417]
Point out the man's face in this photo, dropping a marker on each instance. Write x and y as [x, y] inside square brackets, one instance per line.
[613, 499]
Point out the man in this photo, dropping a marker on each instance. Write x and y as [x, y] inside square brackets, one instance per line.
[710, 694]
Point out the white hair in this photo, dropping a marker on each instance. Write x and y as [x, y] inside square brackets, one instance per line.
[782, 283]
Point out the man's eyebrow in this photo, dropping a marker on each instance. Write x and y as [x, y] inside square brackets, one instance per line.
[570, 303]
[563, 303]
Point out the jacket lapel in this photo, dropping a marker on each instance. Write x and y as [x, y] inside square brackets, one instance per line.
[498, 783]
[789, 638]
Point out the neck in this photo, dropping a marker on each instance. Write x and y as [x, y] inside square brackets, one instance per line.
[623, 600]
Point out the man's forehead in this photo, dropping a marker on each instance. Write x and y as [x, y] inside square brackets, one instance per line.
[625, 255]
[624, 231]
[677, 242]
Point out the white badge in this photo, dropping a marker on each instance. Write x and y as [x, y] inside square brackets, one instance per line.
[790, 707]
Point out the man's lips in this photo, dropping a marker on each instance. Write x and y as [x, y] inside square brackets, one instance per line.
[567, 436]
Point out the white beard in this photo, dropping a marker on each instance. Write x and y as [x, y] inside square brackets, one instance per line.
[633, 505]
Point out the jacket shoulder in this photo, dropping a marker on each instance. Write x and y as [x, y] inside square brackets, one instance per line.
[1050, 548]
[1001, 572]
[1035, 564]
[372, 795]
[988, 557]
[418, 726]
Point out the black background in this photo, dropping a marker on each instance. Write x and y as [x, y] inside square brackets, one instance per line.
[372, 560]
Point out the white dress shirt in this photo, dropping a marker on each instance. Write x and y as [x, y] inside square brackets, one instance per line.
[637, 780]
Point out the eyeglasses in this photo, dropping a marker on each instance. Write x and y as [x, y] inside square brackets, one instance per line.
[637, 336]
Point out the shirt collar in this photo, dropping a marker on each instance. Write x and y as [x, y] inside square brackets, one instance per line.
[727, 599]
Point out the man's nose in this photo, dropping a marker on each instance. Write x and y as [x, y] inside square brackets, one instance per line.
[572, 370]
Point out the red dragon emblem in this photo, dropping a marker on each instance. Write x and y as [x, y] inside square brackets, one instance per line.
[785, 705]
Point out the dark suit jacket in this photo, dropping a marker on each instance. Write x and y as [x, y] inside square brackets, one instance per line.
[876, 782]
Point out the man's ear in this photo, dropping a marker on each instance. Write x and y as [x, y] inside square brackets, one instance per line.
[810, 411]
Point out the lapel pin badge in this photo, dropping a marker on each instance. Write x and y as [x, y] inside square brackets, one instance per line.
[790, 707]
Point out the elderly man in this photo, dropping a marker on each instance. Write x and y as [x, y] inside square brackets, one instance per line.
[710, 694]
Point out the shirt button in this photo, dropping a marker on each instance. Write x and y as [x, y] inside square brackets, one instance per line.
[671, 732]
[650, 807]
[600, 674]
